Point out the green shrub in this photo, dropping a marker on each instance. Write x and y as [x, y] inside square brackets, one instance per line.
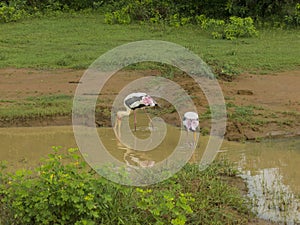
[239, 27]
[121, 16]
[63, 190]
[165, 207]
[294, 18]
[10, 13]
[176, 20]
[236, 27]
[135, 10]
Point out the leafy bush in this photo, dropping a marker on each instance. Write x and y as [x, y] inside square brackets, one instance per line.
[165, 206]
[147, 11]
[118, 17]
[135, 10]
[239, 27]
[236, 27]
[10, 13]
[263, 10]
[176, 20]
[63, 190]
[62, 193]
[294, 18]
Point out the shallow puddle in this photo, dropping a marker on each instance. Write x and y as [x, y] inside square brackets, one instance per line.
[272, 172]
[271, 168]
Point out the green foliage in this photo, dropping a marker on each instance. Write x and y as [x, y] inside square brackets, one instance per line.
[239, 27]
[63, 190]
[165, 206]
[135, 10]
[265, 11]
[10, 13]
[172, 12]
[147, 11]
[236, 27]
[176, 21]
[118, 17]
[294, 18]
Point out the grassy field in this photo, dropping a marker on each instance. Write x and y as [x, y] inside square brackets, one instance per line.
[75, 41]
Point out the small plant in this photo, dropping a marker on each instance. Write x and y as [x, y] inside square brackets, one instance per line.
[121, 16]
[294, 18]
[64, 190]
[61, 191]
[241, 113]
[239, 27]
[164, 206]
[176, 20]
[236, 27]
[10, 13]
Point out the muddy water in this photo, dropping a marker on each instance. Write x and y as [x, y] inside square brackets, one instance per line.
[272, 172]
[271, 168]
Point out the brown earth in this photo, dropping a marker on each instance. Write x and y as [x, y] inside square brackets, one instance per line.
[275, 99]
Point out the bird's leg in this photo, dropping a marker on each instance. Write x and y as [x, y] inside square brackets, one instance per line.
[187, 137]
[134, 114]
[148, 117]
[116, 122]
[195, 138]
[193, 158]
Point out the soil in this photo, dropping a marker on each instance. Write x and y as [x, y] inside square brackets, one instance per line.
[275, 99]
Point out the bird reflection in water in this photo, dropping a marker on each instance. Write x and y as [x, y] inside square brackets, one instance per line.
[135, 159]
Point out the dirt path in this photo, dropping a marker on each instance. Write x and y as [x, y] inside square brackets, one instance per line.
[272, 101]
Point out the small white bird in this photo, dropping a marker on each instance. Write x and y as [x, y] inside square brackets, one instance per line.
[132, 102]
[191, 123]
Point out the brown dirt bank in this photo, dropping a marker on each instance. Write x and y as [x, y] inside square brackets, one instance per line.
[258, 105]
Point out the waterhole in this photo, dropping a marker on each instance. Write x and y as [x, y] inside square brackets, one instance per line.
[270, 168]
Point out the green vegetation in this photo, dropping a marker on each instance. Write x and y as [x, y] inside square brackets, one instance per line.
[42, 43]
[63, 190]
[255, 117]
[50, 34]
[37, 107]
[189, 23]
[284, 12]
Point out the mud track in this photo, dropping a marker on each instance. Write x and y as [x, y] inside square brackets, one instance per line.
[273, 99]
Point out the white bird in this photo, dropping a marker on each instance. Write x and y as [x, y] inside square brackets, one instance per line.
[191, 123]
[132, 102]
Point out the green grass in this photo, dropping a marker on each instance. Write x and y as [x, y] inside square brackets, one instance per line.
[33, 107]
[76, 40]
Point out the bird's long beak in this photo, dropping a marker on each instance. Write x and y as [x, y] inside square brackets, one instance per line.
[195, 138]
